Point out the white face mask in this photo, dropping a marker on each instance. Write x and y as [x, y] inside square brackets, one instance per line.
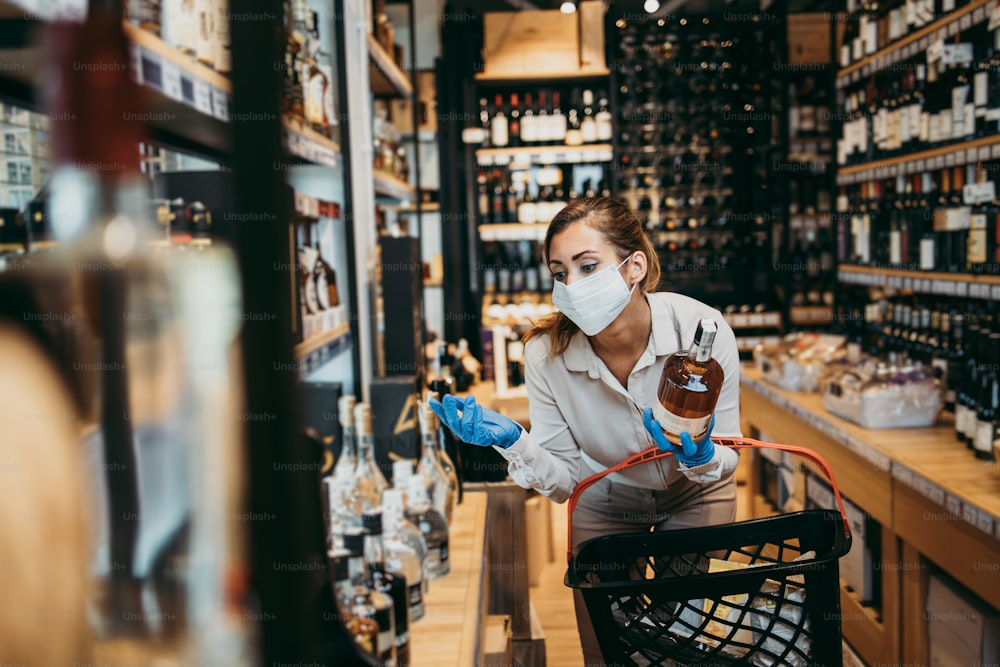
[594, 302]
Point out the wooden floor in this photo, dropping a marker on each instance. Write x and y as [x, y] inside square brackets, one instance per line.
[554, 601]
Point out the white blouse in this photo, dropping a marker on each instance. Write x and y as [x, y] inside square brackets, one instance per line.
[583, 420]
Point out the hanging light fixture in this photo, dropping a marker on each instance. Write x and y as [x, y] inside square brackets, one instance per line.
[651, 6]
[568, 7]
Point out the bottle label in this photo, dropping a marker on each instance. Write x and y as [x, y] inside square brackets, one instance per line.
[927, 254]
[498, 131]
[960, 413]
[529, 132]
[416, 600]
[675, 425]
[604, 130]
[444, 552]
[433, 560]
[588, 130]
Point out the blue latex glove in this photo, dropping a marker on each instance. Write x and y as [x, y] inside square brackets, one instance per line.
[476, 425]
[690, 453]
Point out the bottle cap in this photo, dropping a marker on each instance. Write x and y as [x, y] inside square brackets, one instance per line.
[372, 521]
[705, 333]
[401, 471]
[363, 418]
[345, 407]
[354, 540]
[427, 418]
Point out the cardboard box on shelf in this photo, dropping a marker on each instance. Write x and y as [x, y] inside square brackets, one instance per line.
[519, 44]
[962, 629]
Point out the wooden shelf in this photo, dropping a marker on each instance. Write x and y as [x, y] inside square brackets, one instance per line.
[545, 77]
[309, 145]
[316, 352]
[897, 50]
[196, 70]
[810, 315]
[513, 231]
[585, 153]
[965, 152]
[770, 319]
[387, 79]
[388, 185]
[959, 285]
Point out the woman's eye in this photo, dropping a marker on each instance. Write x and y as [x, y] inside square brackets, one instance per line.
[588, 268]
[560, 276]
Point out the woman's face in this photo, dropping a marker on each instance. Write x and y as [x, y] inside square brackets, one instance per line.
[580, 250]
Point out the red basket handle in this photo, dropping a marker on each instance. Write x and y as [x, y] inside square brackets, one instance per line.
[654, 453]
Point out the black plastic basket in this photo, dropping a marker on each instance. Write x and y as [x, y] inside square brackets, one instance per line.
[761, 592]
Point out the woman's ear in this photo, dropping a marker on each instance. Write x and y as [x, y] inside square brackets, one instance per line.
[637, 268]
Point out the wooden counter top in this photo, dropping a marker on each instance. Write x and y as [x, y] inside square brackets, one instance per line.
[927, 460]
[449, 632]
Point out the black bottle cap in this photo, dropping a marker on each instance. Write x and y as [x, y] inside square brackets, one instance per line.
[354, 540]
[372, 521]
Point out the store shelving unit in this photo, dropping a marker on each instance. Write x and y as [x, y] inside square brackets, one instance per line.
[960, 285]
[532, 155]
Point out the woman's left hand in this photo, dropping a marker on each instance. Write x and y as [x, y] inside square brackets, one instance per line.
[690, 453]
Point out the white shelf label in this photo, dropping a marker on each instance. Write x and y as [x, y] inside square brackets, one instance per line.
[970, 155]
[965, 22]
[135, 62]
[995, 292]
[953, 505]
[962, 290]
[984, 153]
[203, 97]
[949, 160]
[220, 104]
[172, 80]
[995, 151]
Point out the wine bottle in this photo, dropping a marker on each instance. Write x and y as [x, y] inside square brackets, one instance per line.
[392, 584]
[369, 601]
[498, 125]
[432, 525]
[588, 125]
[370, 479]
[689, 387]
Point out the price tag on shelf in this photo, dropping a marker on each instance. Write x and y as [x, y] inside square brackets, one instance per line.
[952, 29]
[938, 162]
[983, 153]
[953, 505]
[995, 292]
[921, 165]
[962, 289]
[220, 104]
[203, 97]
[970, 156]
[172, 81]
[975, 289]
[984, 522]
[978, 15]
[866, 69]
[965, 22]
[949, 160]
[908, 284]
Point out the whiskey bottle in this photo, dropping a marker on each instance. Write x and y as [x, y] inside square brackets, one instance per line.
[441, 488]
[689, 387]
[370, 602]
[405, 548]
[363, 628]
[391, 583]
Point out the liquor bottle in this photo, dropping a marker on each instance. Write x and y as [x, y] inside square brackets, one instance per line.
[689, 387]
[448, 447]
[344, 510]
[499, 132]
[405, 549]
[559, 121]
[514, 122]
[544, 135]
[432, 525]
[588, 124]
[370, 480]
[348, 459]
[483, 203]
[326, 282]
[987, 400]
[370, 601]
[205, 17]
[574, 133]
[145, 14]
[965, 400]
[605, 129]
[442, 489]
[391, 583]
[529, 122]
[223, 51]
[361, 626]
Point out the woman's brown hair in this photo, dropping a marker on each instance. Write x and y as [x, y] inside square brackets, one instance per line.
[622, 229]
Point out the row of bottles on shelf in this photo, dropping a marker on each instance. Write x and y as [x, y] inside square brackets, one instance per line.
[872, 25]
[198, 28]
[934, 221]
[386, 543]
[389, 154]
[504, 196]
[307, 81]
[538, 117]
[923, 103]
[319, 296]
[959, 339]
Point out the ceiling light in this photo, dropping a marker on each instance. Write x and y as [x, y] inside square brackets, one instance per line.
[651, 6]
[568, 7]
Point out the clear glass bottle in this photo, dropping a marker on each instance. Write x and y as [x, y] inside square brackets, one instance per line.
[391, 583]
[405, 550]
[363, 628]
[369, 601]
[348, 459]
[441, 488]
[343, 507]
[433, 526]
[368, 477]
[689, 387]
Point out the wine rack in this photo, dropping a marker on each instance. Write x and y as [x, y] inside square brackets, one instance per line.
[696, 132]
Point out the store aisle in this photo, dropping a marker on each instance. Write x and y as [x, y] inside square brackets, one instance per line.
[554, 601]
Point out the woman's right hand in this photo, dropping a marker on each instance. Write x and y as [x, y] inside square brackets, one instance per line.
[476, 425]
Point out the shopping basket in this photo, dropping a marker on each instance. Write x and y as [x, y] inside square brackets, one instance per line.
[760, 592]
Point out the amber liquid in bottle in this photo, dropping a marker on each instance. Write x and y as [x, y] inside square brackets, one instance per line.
[689, 387]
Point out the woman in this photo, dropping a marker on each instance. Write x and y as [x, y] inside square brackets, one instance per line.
[592, 371]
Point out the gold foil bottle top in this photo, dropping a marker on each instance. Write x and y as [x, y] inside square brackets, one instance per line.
[363, 418]
[428, 419]
[345, 408]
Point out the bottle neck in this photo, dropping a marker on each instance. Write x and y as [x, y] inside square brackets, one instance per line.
[375, 552]
[700, 352]
[365, 448]
[349, 445]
